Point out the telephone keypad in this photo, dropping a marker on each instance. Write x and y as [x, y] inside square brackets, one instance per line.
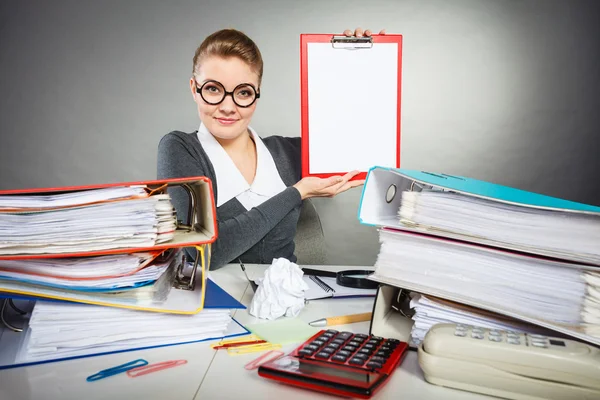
[493, 335]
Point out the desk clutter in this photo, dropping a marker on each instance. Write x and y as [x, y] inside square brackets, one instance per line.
[505, 265]
[286, 288]
[445, 290]
[101, 269]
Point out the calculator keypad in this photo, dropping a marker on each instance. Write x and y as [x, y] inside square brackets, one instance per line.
[357, 350]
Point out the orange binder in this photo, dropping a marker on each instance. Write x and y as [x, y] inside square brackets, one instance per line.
[350, 103]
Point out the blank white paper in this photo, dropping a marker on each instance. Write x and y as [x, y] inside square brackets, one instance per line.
[352, 107]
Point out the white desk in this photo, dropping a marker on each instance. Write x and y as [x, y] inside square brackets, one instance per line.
[209, 374]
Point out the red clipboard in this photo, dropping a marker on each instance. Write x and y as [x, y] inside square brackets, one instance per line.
[382, 55]
[202, 228]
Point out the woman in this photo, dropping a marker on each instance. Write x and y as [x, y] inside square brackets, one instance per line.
[257, 182]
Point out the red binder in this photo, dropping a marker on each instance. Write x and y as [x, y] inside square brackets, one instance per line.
[350, 103]
[201, 231]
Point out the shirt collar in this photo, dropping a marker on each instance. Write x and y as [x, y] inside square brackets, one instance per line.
[230, 181]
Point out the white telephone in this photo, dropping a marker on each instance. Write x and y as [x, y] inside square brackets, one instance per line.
[509, 364]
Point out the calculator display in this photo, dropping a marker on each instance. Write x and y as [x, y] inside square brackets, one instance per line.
[311, 368]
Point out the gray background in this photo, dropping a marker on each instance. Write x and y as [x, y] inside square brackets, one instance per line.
[501, 90]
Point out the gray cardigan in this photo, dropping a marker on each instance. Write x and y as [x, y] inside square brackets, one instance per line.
[254, 236]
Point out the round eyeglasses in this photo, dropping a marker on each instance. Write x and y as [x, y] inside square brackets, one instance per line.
[213, 93]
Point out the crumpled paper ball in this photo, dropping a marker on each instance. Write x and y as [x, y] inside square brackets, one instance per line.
[280, 291]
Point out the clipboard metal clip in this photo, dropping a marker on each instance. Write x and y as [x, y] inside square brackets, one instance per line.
[351, 42]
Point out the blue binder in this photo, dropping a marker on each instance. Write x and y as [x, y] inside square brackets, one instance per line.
[215, 298]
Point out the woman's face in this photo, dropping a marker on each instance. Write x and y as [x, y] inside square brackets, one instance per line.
[225, 120]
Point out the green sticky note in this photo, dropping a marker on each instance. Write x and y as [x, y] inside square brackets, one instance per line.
[283, 331]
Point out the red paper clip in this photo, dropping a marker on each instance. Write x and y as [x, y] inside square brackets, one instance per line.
[268, 356]
[148, 369]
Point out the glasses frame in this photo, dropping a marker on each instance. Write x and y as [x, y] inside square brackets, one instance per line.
[199, 91]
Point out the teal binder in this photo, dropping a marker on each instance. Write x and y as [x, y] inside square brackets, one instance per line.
[492, 191]
[384, 187]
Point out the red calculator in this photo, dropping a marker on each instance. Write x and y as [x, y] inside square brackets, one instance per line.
[341, 363]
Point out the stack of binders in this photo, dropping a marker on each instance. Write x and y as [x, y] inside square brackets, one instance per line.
[98, 269]
[459, 250]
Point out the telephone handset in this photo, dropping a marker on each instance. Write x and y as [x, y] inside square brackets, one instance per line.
[510, 364]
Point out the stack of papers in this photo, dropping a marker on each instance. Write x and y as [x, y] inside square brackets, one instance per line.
[520, 254]
[79, 268]
[77, 248]
[591, 304]
[86, 221]
[139, 278]
[70, 199]
[58, 330]
[551, 232]
[92, 274]
[541, 288]
[430, 311]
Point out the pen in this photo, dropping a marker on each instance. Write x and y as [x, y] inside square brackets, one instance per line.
[226, 346]
[252, 283]
[344, 319]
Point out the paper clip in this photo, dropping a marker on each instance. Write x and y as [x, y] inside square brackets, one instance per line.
[148, 369]
[240, 340]
[105, 373]
[254, 348]
[265, 358]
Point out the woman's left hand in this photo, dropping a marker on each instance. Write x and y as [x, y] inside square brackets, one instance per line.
[358, 32]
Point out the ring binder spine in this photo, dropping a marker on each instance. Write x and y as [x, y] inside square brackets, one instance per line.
[183, 282]
[420, 186]
[7, 324]
[192, 214]
[14, 307]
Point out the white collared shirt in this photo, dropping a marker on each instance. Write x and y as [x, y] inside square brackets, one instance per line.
[230, 181]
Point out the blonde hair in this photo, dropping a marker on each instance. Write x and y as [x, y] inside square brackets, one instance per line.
[229, 43]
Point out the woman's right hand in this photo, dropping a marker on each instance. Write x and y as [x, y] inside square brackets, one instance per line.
[327, 187]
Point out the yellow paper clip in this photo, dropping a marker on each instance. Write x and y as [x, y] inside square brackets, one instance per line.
[254, 348]
[242, 339]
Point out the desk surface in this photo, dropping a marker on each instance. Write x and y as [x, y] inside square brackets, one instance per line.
[209, 374]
